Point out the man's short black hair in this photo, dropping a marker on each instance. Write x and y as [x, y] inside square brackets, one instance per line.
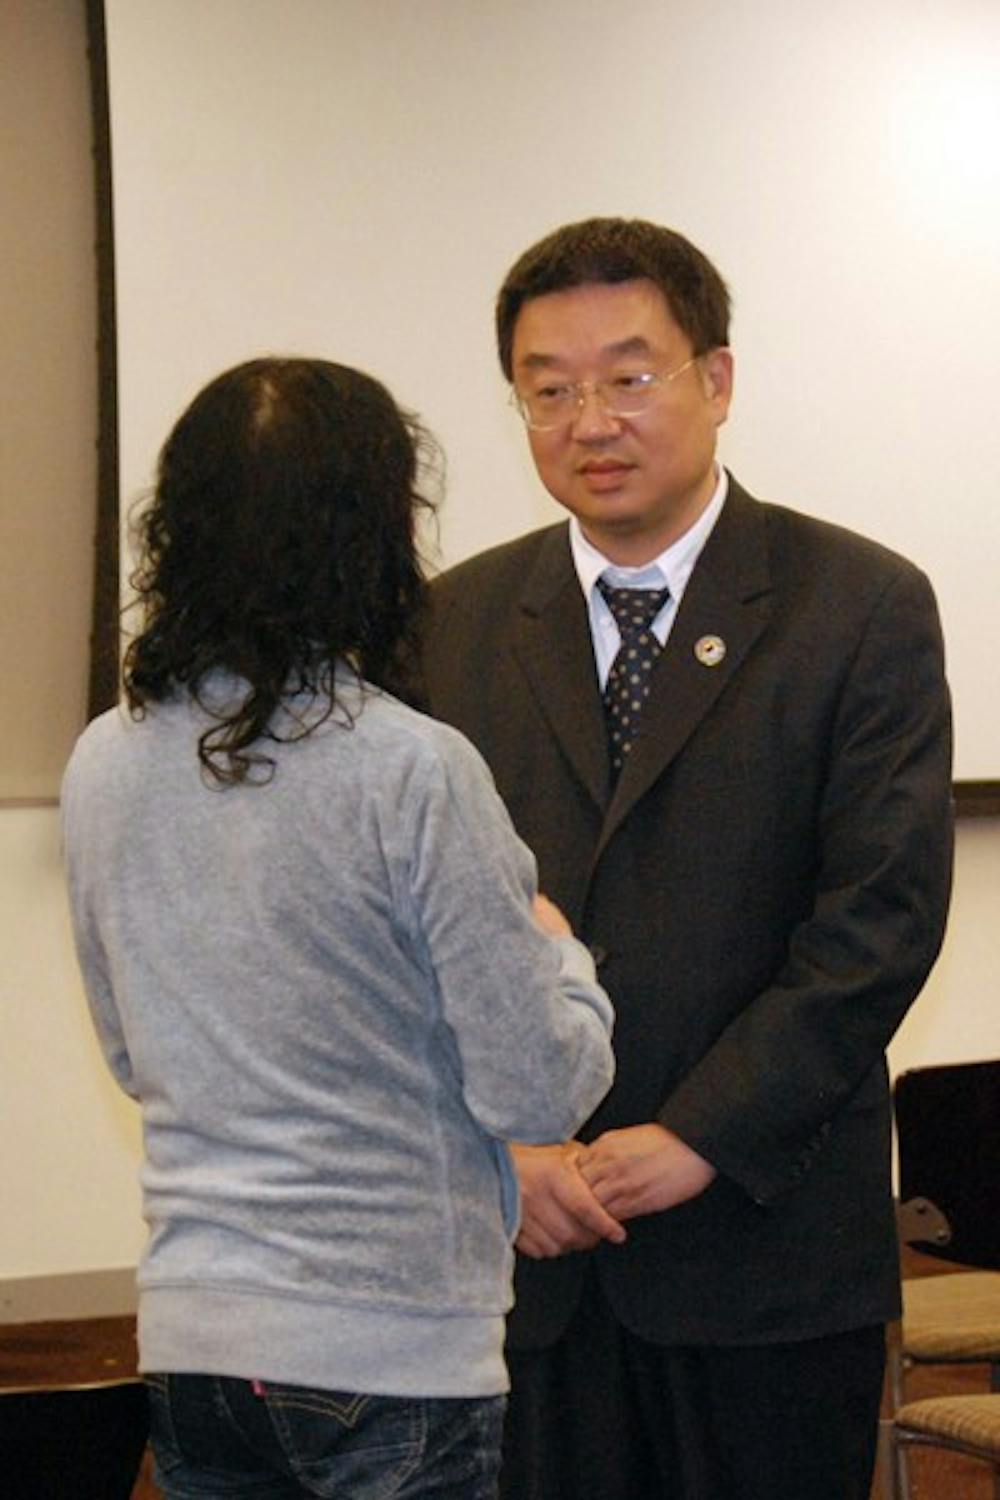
[614, 250]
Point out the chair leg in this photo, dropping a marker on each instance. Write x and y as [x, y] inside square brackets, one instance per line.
[901, 1471]
[886, 1459]
[897, 1483]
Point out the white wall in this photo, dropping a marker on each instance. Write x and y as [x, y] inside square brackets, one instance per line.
[70, 1139]
[353, 177]
[958, 1015]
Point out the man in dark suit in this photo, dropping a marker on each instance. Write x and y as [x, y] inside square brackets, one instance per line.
[747, 815]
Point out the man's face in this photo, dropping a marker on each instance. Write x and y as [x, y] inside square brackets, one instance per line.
[638, 482]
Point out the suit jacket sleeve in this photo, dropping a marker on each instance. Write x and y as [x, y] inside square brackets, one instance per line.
[759, 1104]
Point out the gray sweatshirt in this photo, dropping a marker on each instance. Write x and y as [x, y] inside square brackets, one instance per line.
[332, 1002]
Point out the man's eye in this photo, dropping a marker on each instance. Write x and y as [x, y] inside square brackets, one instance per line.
[553, 395]
[638, 380]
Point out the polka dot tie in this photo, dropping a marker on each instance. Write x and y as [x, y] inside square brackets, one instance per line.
[627, 687]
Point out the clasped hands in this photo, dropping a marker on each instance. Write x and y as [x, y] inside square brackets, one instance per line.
[573, 1196]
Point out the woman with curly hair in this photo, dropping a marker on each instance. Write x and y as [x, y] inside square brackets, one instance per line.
[314, 954]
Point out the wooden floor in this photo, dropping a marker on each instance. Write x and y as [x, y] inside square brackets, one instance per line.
[42, 1354]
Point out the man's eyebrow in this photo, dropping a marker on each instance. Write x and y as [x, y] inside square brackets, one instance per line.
[538, 361]
[634, 345]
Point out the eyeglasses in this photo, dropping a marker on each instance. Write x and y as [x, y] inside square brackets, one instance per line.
[628, 394]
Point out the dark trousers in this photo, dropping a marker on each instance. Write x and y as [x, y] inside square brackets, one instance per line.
[603, 1415]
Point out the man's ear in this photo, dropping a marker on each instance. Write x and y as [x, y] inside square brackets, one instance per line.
[717, 373]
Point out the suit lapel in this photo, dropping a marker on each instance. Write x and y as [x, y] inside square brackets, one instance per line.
[553, 645]
[727, 600]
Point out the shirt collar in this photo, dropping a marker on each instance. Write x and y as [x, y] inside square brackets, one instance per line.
[672, 567]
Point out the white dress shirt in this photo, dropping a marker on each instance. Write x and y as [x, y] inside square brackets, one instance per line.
[672, 569]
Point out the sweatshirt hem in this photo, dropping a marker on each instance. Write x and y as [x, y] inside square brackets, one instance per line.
[253, 1335]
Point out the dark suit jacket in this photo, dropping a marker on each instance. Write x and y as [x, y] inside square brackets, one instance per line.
[766, 889]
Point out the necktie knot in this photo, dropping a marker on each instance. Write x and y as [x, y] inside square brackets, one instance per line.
[634, 609]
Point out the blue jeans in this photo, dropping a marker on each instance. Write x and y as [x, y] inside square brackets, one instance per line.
[215, 1438]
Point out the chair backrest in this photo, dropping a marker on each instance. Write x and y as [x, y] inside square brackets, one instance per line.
[948, 1135]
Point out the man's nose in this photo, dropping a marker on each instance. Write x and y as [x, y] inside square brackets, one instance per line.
[592, 420]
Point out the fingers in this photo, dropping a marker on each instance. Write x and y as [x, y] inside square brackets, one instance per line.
[643, 1169]
[559, 1211]
[539, 1242]
[589, 1217]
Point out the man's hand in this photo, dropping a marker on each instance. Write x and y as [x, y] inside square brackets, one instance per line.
[642, 1170]
[559, 1212]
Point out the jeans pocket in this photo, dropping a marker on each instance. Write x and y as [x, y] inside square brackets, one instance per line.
[345, 1407]
[347, 1443]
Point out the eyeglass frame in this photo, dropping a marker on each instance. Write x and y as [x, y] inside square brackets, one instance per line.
[581, 387]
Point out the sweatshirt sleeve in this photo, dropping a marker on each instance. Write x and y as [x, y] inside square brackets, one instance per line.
[90, 952]
[530, 1022]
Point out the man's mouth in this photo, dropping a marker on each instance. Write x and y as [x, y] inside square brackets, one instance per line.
[604, 473]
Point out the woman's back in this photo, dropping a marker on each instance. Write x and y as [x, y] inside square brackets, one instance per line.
[331, 1000]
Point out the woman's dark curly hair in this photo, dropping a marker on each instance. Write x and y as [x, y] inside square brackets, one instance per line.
[279, 540]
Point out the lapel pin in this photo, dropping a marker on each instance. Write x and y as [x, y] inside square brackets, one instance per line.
[710, 650]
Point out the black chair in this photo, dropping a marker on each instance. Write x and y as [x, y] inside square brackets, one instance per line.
[948, 1137]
